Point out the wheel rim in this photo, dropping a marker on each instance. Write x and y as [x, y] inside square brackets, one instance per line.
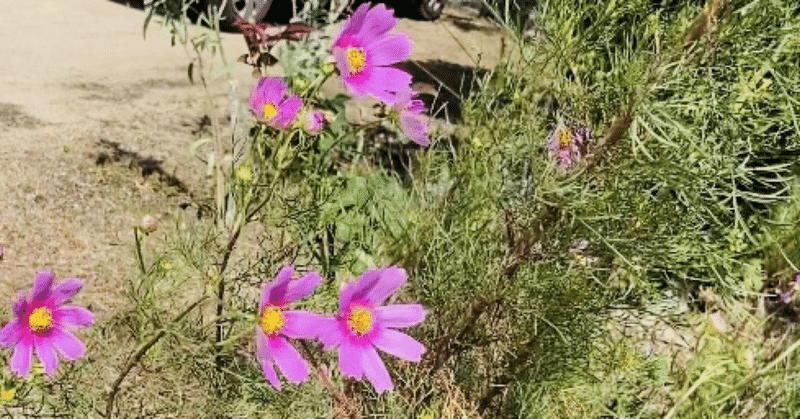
[246, 8]
[434, 5]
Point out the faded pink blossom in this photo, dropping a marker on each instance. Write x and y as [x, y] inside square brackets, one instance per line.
[788, 295]
[413, 120]
[566, 144]
[314, 121]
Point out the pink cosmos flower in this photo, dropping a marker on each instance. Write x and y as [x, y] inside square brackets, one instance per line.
[314, 121]
[365, 52]
[42, 325]
[271, 104]
[276, 323]
[413, 121]
[364, 324]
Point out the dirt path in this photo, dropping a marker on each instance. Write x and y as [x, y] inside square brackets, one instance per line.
[89, 111]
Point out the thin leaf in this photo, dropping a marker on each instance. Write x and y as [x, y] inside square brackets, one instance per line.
[190, 71]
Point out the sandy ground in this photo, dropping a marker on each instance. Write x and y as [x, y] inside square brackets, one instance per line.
[95, 125]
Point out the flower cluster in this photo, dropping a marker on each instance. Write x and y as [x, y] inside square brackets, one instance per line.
[363, 324]
[567, 144]
[366, 54]
[42, 325]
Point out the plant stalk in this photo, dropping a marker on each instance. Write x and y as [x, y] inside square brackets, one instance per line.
[140, 353]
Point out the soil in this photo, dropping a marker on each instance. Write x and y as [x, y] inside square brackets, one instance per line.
[96, 122]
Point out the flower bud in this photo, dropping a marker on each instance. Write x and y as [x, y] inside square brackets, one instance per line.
[314, 121]
[718, 322]
[328, 68]
[300, 84]
[148, 224]
[244, 173]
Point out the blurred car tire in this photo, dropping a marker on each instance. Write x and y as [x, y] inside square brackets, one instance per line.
[233, 10]
[429, 9]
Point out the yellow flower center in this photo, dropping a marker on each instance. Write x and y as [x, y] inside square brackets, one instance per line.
[41, 320]
[244, 174]
[166, 265]
[7, 395]
[270, 111]
[360, 320]
[272, 320]
[564, 137]
[357, 59]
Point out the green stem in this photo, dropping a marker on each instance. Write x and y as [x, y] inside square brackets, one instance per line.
[140, 353]
[139, 250]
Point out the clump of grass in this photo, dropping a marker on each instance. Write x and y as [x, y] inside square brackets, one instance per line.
[674, 201]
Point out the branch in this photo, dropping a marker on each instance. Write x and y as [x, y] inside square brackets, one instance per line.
[140, 353]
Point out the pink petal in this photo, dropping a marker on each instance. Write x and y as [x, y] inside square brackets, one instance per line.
[20, 305]
[272, 88]
[400, 315]
[344, 69]
[47, 354]
[350, 356]
[399, 344]
[356, 20]
[256, 103]
[416, 107]
[358, 85]
[303, 287]
[269, 89]
[21, 358]
[392, 79]
[404, 98]
[73, 316]
[391, 278]
[274, 292]
[329, 332]
[415, 127]
[292, 365]
[67, 344]
[67, 289]
[42, 286]
[301, 324]
[314, 121]
[269, 372]
[358, 290]
[10, 333]
[389, 50]
[385, 82]
[262, 352]
[378, 21]
[287, 112]
[375, 370]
